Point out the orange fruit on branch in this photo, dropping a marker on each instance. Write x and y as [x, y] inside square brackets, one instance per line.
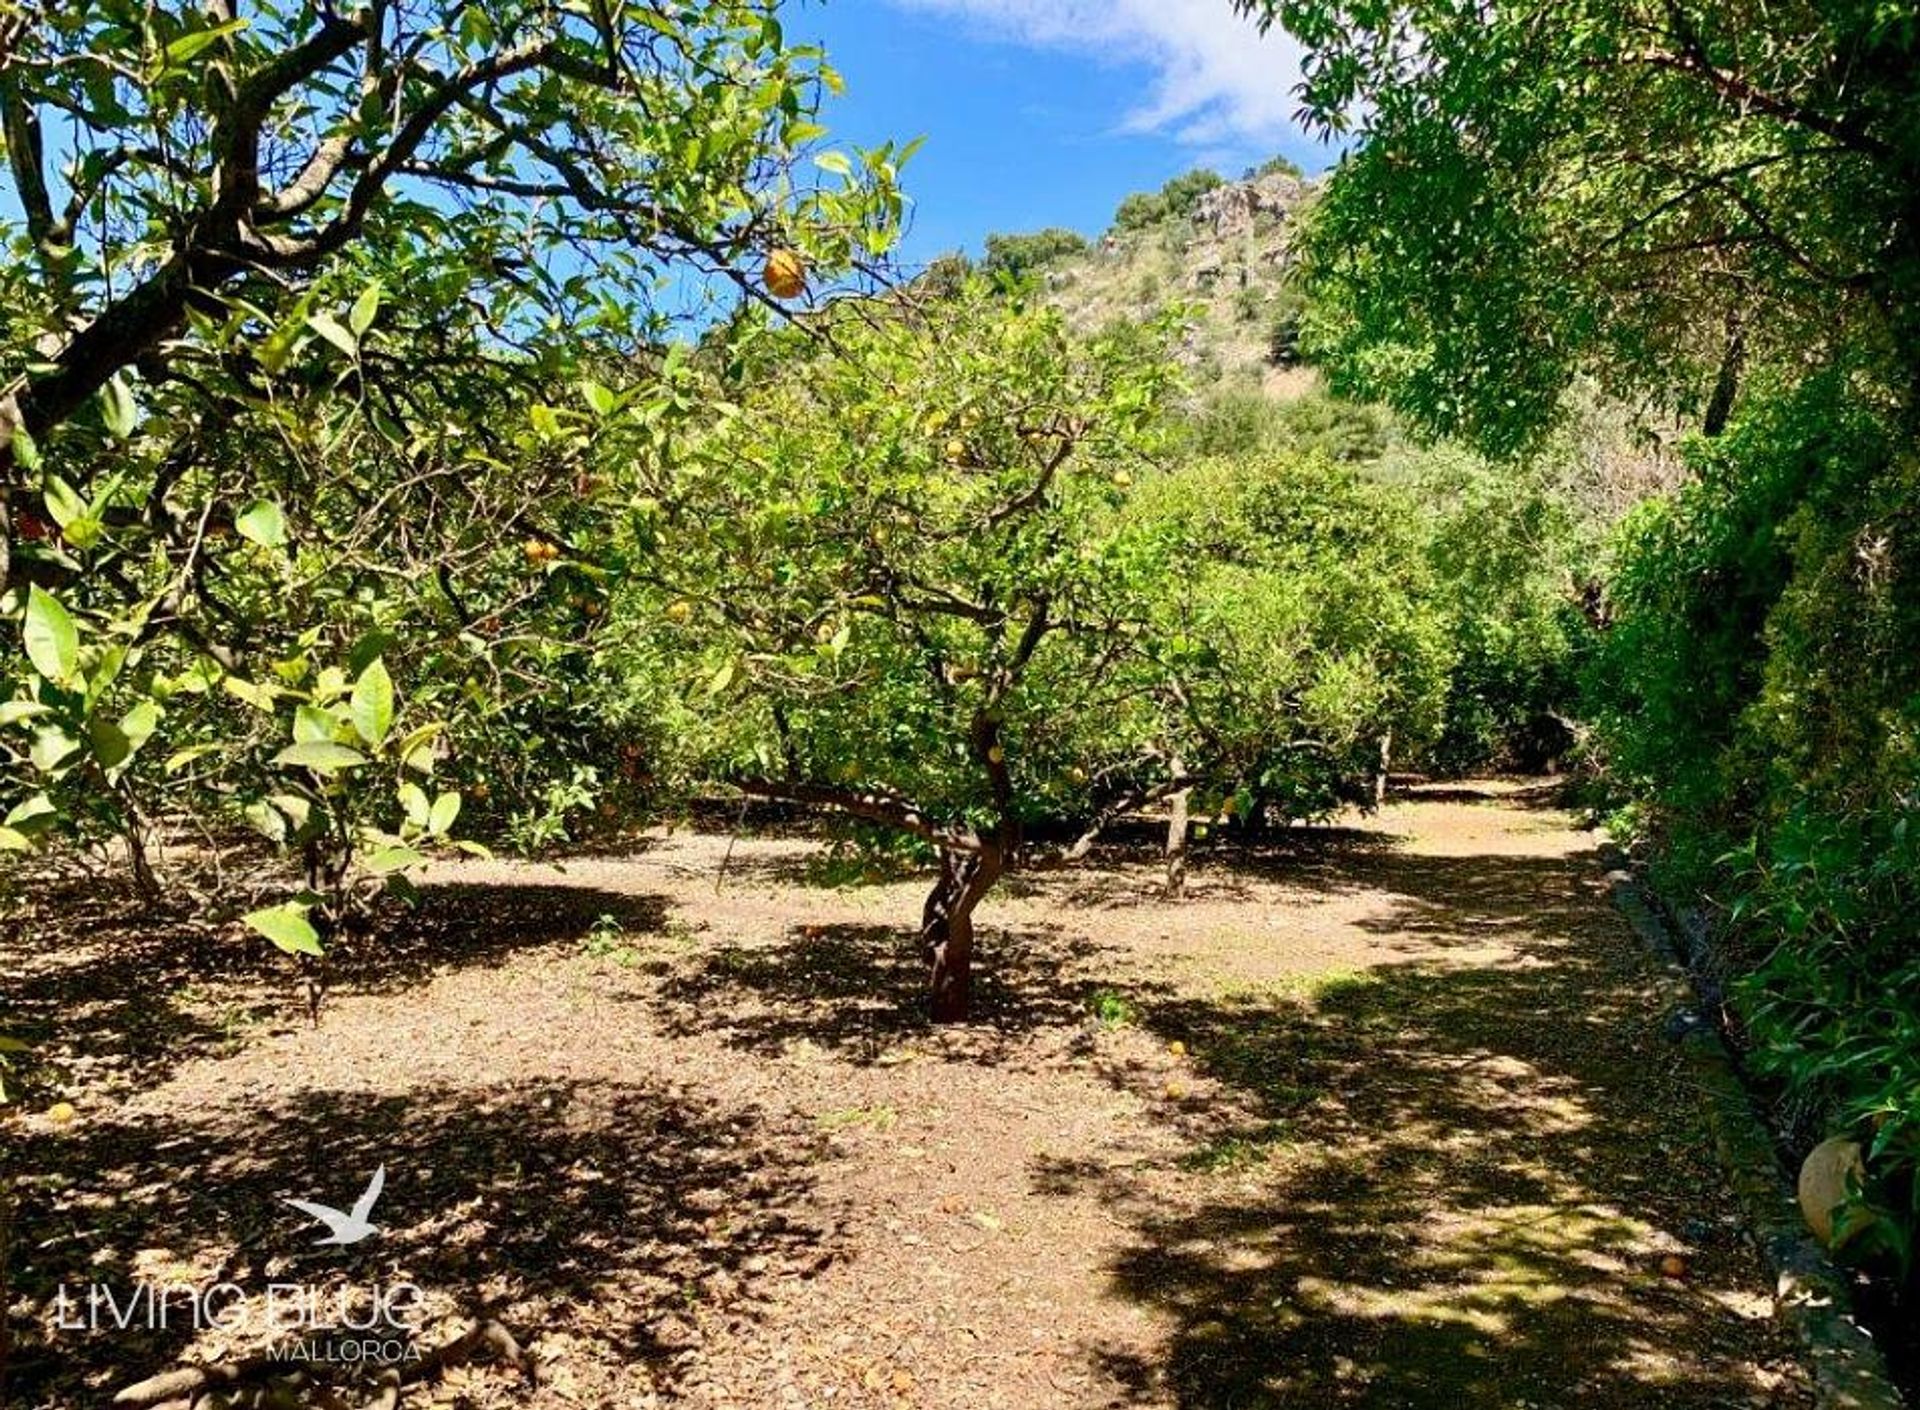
[785, 274]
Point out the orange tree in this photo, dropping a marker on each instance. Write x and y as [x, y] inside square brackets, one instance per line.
[894, 591]
[1296, 638]
[309, 314]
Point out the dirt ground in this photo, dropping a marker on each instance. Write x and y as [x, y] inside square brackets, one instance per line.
[1380, 1114]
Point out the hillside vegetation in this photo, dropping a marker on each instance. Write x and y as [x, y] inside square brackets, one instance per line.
[1219, 252]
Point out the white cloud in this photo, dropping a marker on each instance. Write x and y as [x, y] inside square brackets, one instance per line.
[1217, 81]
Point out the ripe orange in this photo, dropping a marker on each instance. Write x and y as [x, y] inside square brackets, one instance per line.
[785, 274]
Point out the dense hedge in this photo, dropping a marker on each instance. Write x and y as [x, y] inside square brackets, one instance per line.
[1758, 696]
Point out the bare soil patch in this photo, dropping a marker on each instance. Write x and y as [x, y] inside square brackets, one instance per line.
[1379, 1114]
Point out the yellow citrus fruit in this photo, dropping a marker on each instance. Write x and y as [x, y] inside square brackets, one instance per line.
[679, 611]
[785, 275]
[61, 1113]
[1122, 479]
[1177, 1048]
[997, 754]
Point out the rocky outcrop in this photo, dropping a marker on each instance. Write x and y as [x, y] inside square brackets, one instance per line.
[1236, 209]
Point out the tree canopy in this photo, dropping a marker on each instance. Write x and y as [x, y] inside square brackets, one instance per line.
[1661, 194]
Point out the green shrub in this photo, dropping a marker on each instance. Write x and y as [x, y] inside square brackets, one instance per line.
[1017, 256]
[1758, 697]
[1139, 211]
[1174, 201]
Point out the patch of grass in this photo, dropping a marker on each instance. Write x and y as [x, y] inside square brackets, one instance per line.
[607, 940]
[1243, 1150]
[1311, 987]
[880, 1118]
[1111, 1009]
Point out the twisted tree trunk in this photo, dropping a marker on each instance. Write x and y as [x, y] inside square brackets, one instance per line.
[946, 928]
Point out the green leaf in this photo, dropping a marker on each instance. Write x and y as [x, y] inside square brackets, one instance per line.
[180, 758]
[295, 809]
[445, 809]
[320, 757]
[262, 522]
[189, 47]
[26, 451]
[261, 697]
[117, 408]
[392, 859]
[312, 725]
[330, 328]
[12, 712]
[835, 162]
[722, 678]
[139, 723]
[373, 704]
[599, 400]
[84, 533]
[266, 820]
[51, 748]
[33, 816]
[414, 799]
[64, 503]
[287, 926]
[365, 309]
[110, 746]
[53, 644]
[416, 750]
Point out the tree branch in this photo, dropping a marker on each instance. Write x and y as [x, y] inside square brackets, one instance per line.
[1119, 808]
[874, 805]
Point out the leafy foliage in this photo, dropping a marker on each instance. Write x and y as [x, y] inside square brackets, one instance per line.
[1658, 193]
[310, 318]
[1174, 201]
[1294, 627]
[1017, 256]
[1711, 209]
[1760, 703]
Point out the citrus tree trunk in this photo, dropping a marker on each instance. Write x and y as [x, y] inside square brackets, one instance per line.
[946, 930]
[1177, 834]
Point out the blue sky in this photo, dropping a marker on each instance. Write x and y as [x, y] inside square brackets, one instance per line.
[1047, 112]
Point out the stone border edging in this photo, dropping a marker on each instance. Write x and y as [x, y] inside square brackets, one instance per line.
[1811, 1295]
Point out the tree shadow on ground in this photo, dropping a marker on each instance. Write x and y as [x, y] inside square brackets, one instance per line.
[609, 1227]
[1444, 1183]
[860, 991]
[115, 993]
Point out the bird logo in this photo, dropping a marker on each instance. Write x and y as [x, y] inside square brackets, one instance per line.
[351, 1227]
